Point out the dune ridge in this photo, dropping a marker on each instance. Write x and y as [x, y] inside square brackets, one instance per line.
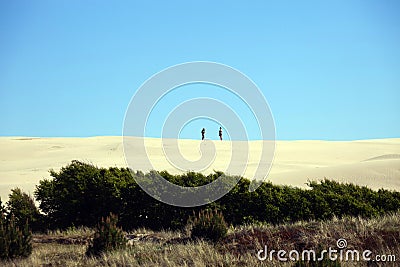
[374, 163]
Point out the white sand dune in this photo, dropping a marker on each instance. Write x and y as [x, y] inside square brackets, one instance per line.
[374, 163]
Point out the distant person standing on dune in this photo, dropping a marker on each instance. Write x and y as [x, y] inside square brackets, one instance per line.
[220, 133]
[203, 132]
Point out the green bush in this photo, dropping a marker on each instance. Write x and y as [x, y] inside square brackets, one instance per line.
[209, 225]
[22, 207]
[2, 208]
[80, 194]
[107, 237]
[14, 242]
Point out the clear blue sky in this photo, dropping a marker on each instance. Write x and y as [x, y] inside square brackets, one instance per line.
[329, 69]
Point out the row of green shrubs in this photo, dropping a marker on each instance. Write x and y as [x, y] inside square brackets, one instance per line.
[81, 194]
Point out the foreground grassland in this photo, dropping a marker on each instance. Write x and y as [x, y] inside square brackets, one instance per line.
[381, 235]
[80, 197]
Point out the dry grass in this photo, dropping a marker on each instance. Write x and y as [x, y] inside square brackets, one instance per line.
[80, 235]
[380, 235]
[144, 254]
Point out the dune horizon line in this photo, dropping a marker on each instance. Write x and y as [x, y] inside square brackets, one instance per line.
[199, 139]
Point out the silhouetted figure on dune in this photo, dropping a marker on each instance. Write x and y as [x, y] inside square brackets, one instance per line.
[203, 132]
[220, 133]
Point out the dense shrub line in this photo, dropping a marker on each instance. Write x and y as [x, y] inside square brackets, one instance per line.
[81, 194]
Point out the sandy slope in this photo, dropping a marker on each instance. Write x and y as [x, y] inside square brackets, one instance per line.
[376, 163]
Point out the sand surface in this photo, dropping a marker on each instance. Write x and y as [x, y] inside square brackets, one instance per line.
[374, 163]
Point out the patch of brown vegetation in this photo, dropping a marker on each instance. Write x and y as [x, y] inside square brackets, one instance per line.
[360, 234]
[65, 240]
